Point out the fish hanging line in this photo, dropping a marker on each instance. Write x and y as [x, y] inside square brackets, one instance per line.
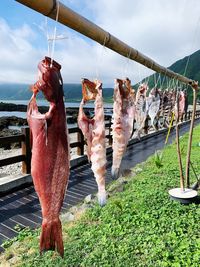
[142, 80]
[100, 57]
[148, 78]
[126, 65]
[52, 50]
[140, 76]
[156, 81]
[162, 84]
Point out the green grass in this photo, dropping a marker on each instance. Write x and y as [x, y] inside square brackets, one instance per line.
[139, 226]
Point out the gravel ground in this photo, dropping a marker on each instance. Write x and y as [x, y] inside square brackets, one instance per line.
[14, 169]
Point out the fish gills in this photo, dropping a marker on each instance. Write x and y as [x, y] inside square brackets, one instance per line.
[94, 133]
[50, 153]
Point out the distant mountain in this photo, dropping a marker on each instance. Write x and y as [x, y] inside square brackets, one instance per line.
[192, 72]
[72, 92]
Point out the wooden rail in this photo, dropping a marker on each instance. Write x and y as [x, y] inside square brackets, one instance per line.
[24, 139]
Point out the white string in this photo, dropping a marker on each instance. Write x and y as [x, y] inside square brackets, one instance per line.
[100, 57]
[55, 29]
[162, 84]
[127, 63]
[47, 36]
[148, 78]
[139, 72]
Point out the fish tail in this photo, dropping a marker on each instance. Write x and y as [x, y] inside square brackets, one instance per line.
[51, 236]
[102, 198]
[115, 173]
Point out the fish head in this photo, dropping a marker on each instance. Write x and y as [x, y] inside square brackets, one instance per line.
[125, 87]
[49, 80]
[182, 96]
[143, 89]
[154, 91]
[90, 89]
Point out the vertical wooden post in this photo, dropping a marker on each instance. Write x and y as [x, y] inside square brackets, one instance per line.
[178, 144]
[189, 115]
[80, 148]
[187, 171]
[26, 150]
[110, 140]
[146, 125]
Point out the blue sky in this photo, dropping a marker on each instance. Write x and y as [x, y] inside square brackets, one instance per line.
[163, 30]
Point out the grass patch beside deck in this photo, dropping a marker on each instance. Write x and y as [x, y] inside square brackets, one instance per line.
[139, 226]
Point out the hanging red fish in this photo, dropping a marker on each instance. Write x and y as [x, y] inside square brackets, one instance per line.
[50, 152]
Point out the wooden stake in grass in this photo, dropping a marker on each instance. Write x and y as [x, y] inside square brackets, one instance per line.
[178, 144]
[187, 171]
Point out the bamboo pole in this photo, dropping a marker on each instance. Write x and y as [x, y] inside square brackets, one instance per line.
[80, 24]
[187, 171]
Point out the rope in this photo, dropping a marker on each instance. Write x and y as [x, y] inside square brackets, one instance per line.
[162, 84]
[55, 29]
[149, 75]
[127, 64]
[140, 76]
[98, 59]
[47, 36]
[155, 85]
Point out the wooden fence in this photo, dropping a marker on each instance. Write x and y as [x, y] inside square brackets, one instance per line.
[24, 140]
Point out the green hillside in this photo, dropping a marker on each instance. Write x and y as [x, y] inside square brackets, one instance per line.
[72, 92]
[192, 72]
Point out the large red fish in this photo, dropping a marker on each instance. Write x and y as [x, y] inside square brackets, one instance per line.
[50, 152]
[94, 133]
[123, 118]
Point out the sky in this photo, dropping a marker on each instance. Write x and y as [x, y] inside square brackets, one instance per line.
[163, 30]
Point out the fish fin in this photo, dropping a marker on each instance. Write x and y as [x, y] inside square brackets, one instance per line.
[102, 198]
[136, 134]
[115, 173]
[51, 236]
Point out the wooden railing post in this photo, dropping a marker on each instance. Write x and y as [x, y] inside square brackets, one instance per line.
[110, 140]
[146, 125]
[80, 148]
[26, 150]
[189, 115]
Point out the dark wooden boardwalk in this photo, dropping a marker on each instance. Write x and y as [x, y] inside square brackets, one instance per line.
[22, 207]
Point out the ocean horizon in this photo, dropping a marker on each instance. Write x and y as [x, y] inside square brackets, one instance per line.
[40, 102]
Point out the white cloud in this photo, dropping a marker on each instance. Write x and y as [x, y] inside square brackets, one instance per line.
[163, 30]
[17, 54]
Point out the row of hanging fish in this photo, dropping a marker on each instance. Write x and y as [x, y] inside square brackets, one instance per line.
[158, 104]
[127, 107]
[50, 166]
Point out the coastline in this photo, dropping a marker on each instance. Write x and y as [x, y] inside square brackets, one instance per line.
[10, 125]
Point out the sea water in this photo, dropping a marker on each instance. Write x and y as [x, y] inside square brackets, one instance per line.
[107, 107]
